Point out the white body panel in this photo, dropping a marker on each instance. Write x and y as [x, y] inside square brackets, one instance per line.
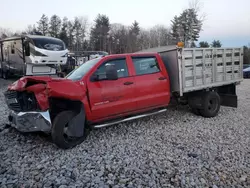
[209, 67]
[53, 57]
[32, 69]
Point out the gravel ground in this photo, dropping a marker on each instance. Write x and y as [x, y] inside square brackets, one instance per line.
[173, 149]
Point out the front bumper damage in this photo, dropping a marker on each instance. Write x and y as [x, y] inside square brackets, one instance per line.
[30, 121]
[28, 100]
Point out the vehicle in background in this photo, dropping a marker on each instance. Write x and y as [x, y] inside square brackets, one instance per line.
[246, 72]
[246, 66]
[31, 55]
[76, 59]
[122, 87]
[65, 69]
[97, 54]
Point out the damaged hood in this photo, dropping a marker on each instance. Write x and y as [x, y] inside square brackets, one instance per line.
[44, 87]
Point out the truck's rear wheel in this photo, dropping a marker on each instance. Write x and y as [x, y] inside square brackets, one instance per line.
[210, 104]
[59, 131]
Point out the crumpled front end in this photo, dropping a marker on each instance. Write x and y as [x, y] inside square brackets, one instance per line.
[31, 121]
[28, 101]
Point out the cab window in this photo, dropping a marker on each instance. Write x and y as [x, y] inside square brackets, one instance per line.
[121, 67]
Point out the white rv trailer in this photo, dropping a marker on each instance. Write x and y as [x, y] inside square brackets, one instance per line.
[31, 55]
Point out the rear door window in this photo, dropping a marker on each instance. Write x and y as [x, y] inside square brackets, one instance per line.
[145, 65]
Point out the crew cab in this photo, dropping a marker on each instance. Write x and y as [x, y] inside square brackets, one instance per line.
[122, 87]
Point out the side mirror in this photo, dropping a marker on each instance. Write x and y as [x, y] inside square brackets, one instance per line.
[26, 48]
[111, 72]
[94, 77]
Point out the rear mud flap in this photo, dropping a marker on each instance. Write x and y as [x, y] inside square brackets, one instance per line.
[228, 95]
[229, 100]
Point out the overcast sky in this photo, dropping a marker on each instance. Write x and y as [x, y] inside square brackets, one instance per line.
[227, 20]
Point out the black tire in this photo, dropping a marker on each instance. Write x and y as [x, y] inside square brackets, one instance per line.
[210, 104]
[57, 133]
[196, 111]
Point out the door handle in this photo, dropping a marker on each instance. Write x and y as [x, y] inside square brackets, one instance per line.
[162, 78]
[128, 83]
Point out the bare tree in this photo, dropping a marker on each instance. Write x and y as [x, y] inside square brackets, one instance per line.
[161, 35]
[29, 29]
[197, 5]
[118, 38]
[5, 32]
[81, 26]
[144, 39]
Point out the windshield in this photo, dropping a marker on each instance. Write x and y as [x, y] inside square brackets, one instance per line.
[49, 44]
[78, 73]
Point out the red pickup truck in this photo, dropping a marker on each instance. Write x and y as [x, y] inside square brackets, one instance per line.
[123, 87]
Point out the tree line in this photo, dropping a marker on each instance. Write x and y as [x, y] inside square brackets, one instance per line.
[78, 35]
[113, 38]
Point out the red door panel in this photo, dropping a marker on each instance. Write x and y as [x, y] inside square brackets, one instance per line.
[150, 91]
[108, 98]
[152, 86]
[112, 97]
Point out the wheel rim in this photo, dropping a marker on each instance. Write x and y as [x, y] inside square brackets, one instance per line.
[67, 137]
[212, 104]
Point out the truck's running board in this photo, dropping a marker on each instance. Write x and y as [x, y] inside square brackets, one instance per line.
[129, 118]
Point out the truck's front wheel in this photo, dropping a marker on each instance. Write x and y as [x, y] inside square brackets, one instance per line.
[210, 104]
[59, 132]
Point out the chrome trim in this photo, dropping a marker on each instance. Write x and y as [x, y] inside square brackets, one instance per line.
[31, 121]
[129, 119]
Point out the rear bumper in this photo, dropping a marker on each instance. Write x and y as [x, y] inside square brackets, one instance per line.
[30, 121]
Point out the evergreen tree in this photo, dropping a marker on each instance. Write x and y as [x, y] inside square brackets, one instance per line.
[43, 25]
[100, 32]
[63, 34]
[246, 57]
[55, 26]
[204, 44]
[71, 35]
[193, 45]
[186, 27]
[216, 44]
[175, 27]
[133, 34]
